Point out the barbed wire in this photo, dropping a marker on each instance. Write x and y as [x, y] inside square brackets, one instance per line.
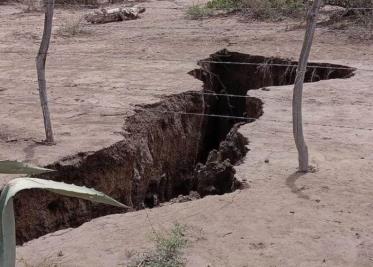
[161, 93]
[150, 91]
[310, 65]
[123, 108]
[213, 62]
[250, 119]
[264, 63]
[205, 61]
[92, 6]
[204, 27]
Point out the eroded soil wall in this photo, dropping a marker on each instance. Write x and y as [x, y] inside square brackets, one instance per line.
[185, 142]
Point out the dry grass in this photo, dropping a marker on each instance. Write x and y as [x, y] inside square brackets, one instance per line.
[74, 26]
[30, 6]
[361, 33]
[350, 3]
[198, 12]
[255, 9]
[274, 9]
[168, 250]
[356, 24]
[43, 263]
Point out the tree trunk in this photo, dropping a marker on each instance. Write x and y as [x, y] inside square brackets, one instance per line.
[298, 87]
[40, 66]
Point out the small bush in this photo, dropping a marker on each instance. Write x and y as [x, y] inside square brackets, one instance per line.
[29, 6]
[350, 3]
[274, 9]
[168, 250]
[257, 9]
[362, 28]
[357, 24]
[223, 4]
[72, 27]
[44, 263]
[198, 12]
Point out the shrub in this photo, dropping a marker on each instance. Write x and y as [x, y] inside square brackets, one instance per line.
[258, 9]
[351, 3]
[362, 27]
[273, 9]
[167, 252]
[198, 12]
[43, 263]
[223, 4]
[72, 27]
[29, 6]
[357, 23]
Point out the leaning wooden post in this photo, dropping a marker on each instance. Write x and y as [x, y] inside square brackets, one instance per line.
[40, 66]
[298, 87]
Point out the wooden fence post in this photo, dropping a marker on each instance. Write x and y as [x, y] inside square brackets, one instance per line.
[40, 67]
[298, 87]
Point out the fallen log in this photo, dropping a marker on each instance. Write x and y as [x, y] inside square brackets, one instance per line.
[115, 14]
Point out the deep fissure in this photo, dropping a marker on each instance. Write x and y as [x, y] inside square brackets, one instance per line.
[166, 151]
[225, 72]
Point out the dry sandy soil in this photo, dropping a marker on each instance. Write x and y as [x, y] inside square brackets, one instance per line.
[283, 219]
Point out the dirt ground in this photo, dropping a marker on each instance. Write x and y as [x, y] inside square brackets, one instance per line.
[283, 219]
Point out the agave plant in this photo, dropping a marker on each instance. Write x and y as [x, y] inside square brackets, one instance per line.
[16, 167]
[7, 221]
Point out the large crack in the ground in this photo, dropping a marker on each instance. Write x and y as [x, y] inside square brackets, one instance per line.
[168, 148]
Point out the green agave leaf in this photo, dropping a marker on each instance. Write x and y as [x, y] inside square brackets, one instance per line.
[16, 167]
[7, 227]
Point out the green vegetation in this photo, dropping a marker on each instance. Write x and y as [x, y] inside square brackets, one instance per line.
[7, 220]
[168, 250]
[350, 3]
[257, 9]
[357, 23]
[224, 4]
[199, 12]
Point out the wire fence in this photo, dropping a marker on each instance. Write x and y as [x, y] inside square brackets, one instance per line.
[195, 114]
[137, 89]
[203, 115]
[192, 27]
[185, 7]
[165, 91]
[155, 93]
[265, 62]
